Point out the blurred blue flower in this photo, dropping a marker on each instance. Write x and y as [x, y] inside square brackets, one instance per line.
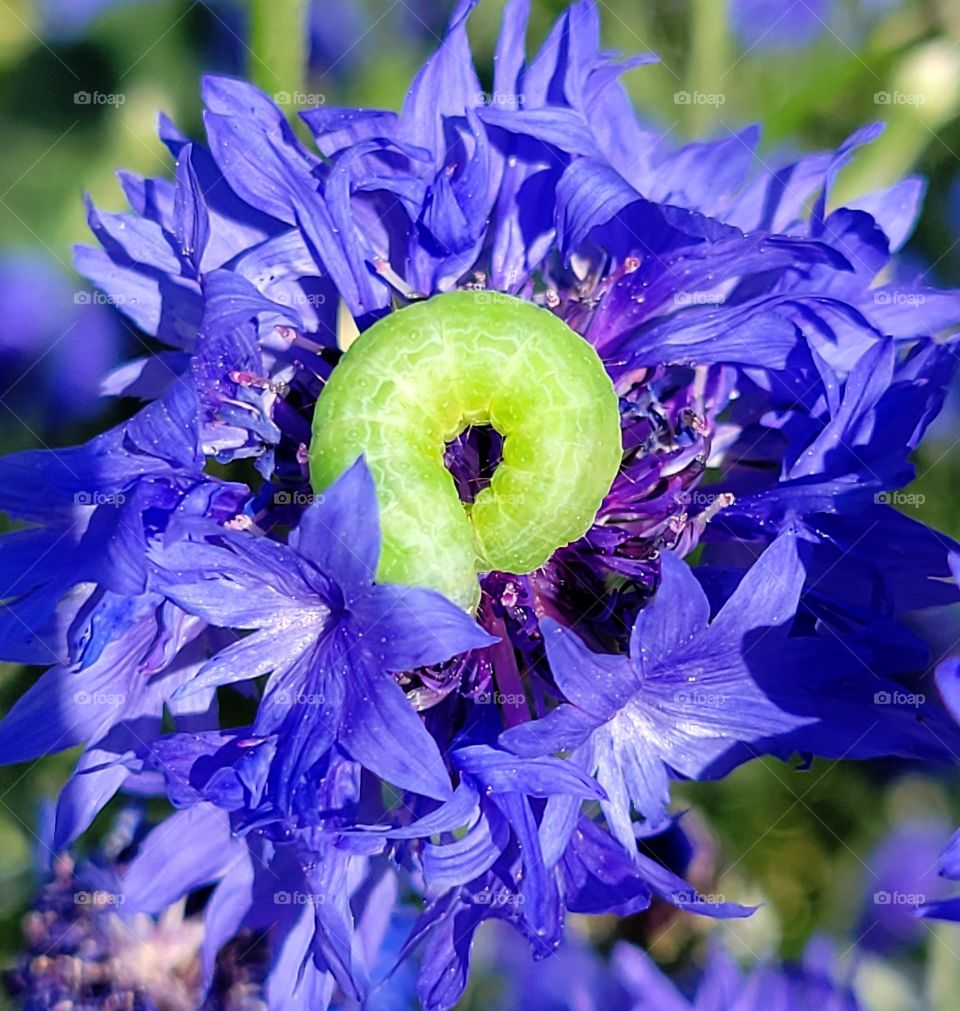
[792, 24]
[577, 979]
[53, 336]
[769, 23]
[902, 875]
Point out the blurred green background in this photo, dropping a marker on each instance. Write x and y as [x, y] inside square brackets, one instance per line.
[802, 843]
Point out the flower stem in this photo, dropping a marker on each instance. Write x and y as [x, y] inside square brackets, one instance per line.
[507, 679]
[279, 47]
[708, 63]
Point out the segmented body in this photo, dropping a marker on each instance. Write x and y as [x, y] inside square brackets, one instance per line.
[415, 380]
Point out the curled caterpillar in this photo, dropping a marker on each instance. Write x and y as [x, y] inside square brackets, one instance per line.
[415, 380]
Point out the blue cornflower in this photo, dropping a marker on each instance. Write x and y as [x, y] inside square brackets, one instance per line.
[681, 698]
[329, 638]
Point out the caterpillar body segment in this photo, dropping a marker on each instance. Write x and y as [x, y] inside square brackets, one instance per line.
[415, 380]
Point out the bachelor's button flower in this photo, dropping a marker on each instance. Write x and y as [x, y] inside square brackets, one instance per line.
[738, 322]
[681, 697]
[329, 637]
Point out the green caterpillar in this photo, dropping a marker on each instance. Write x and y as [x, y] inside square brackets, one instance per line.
[415, 380]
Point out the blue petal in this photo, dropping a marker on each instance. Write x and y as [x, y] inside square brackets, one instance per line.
[225, 912]
[408, 627]
[684, 896]
[164, 869]
[340, 531]
[600, 876]
[596, 683]
[447, 865]
[766, 598]
[97, 778]
[678, 614]
[382, 731]
[562, 729]
[895, 209]
[502, 772]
